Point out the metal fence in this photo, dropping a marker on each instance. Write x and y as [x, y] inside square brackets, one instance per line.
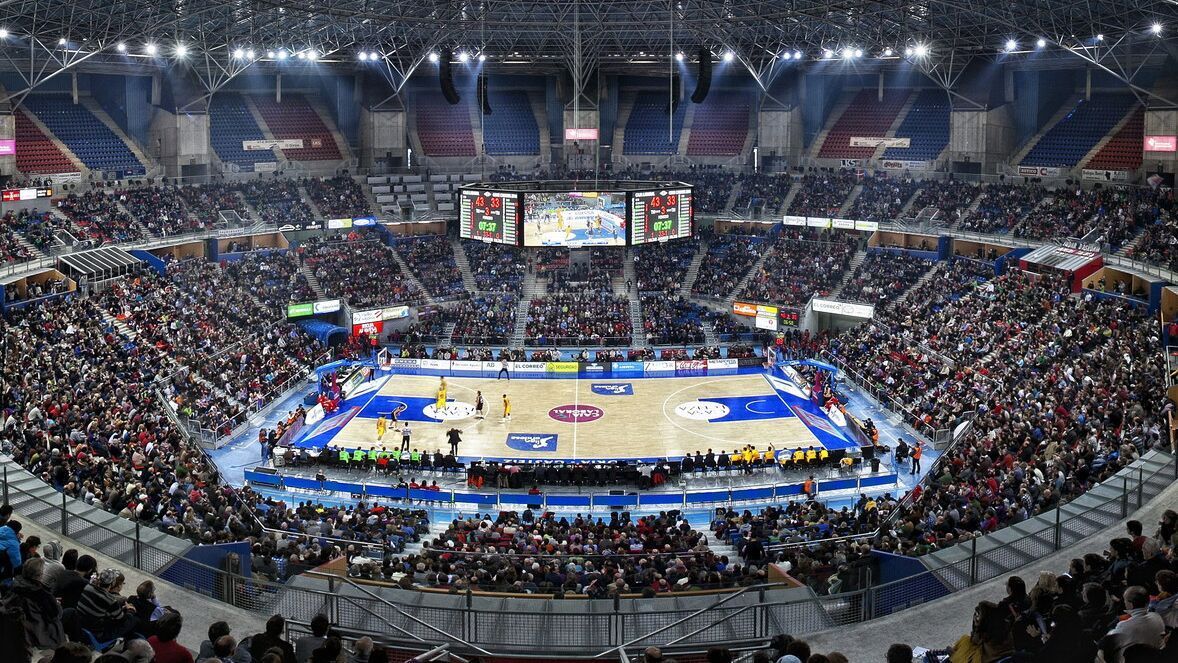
[469, 623]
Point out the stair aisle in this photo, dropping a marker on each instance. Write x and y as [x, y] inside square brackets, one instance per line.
[920, 283]
[313, 282]
[463, 263]
[693, 269]
[530, 289]
[306, 196]
[856, 260]
[410, 277]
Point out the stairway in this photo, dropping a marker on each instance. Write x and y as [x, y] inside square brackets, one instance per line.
[908, 204]
[121, 327]
[1066, 108]
[637, 330]
[529, 289]
[410, 277]
[313, 282]
[693, 269]
[78, 165]
[1109, 136]
[468, 282]
[265, 128]
[306, 197]
[856, 260]
[755, 269]
[840, 107]
[625, 107]
[28, 246]
[345, 150]
[134, 219]
[540, 112]
[855, 192]
[448, 334]
[920, 283]
[250, 211]
[733, 195]
[710, 338]
[794, 187]
[150, 166]
[891, 133]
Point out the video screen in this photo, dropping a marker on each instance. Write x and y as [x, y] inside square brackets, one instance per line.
[575, 219]
[489, 216]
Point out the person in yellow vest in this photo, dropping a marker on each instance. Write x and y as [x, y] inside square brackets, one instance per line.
[811, 455]
[823, 454]
[799, 456]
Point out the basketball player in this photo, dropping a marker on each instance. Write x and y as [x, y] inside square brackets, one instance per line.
[506, 408]
[440, 404]
[381, 426]
[479, 404]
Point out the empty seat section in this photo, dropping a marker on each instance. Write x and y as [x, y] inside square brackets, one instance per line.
[511, 128]
[926, 127]
[1072, 137]
[36, 152]
[647, 128]
[720, 126]
[84, 134]
[866, 117]
[295, 119]
[444, 130]
[231, 123]
[1123, 150]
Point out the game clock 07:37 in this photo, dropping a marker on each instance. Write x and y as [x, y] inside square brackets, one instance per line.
[489, 216]
[661, 215]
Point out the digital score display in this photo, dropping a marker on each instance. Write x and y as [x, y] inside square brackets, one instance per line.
[790, 317]
[489, 216]
[659, 216]
[13, 195]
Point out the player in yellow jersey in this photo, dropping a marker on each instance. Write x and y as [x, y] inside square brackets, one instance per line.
[381, 426]
[506, 408]
[440, 403]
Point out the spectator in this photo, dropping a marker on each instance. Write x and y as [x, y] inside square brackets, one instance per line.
[42, 612]
[10, 538]
[69, 590]
[167, 649]
[1141, 627]
[55, 564]
[271, 638]
[899, 653]
[102, 611]
[988, 640]
[307, 644]
[222, 646]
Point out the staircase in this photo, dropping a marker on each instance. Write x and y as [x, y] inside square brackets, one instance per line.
[1066, 108]
[306, 197]
[78, 165]
[134, 219]
[28, 246]
[529, 289]
[920, 283]
[468, 282]
[265, 128]
[448, 334]
[345, 150]
[121, 327]
[1108, 136]
[904, 110]
[410, 277]
[93, 106]
[908, 204]
[540, 112]
[755, 269]
[685, 132]
[858, 189]
[250, 211]
[316, 287]
[840, 107]
[733, 195]
[710, 338]
[794, 188]
[625, 107]
[693, 269]
[856, 260]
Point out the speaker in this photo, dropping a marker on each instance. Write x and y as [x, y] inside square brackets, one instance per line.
[446, 79]
[703, 81]
[484, 99]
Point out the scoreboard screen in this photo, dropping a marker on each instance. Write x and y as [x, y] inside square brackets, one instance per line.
[490, 216]
[658, 216]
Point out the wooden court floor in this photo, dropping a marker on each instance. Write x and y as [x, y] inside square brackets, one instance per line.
[582, 418]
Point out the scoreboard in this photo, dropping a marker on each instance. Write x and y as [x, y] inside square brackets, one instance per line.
[659, 216]
[489, 216]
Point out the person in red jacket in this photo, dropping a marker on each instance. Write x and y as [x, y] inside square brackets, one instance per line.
[164, 644]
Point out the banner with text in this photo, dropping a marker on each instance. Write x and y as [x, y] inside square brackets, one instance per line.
[1038, 171]
[892, 164]
[280, 144]
[876, 141]
[1096, 175]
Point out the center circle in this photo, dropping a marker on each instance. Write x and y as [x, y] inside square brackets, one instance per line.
[452, 410]
[576, 414]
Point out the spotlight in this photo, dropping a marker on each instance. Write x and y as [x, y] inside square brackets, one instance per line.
[181, 50]
[482, 57]
[827, 53]
[1011, 45]
[921, 50]
[150, 49]
[728, 56]
[858, 52]
[433, 57]
[887, 52]
[797, 55]
[463, 56]
[362, 56]
[312, 54]
[301, 55]
[250, 54]
[282, 54]
[61, 42]
[238, 53]
[678, 57]
[1156, 28]
[1042, 43]
[3, 33]
[1099, 37]
[847, 53]
[270, 54]
[121, 47]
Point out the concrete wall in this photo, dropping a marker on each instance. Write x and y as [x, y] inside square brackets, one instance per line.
[986, 137]
[780, 136]
[179, 140]
[8, 132]
[380, 132]
[1160, 123]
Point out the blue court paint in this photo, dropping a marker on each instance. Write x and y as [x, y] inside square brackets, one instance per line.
[532, 441]
[613, 389]
[322, 432]
[750, 408]
[818, 423]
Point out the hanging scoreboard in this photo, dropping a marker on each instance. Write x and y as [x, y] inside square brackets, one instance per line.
[489, 216]
[660, 216]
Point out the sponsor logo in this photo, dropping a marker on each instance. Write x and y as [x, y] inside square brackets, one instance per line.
[702, 410]
[405, 363]
[594, 368]
[876, 141]
[843, 308]
[370, 328]
[692, 364]
[580, 134]
[435, 364]
[658, 366]
[562, 367]
[741, 308]
[615, 389]
[628, 366]
[850, 163]
[1038, 171]
[1160, 143]
[722, 363]
[1105, 175]
[452, 410]
[532, 441]
[529, 366]
[890, 164]
[466, 365]
[576, 414]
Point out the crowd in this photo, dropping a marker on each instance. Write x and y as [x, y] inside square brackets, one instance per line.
[337, 197]
[273, 277]
[357, 268]
[1108, 217]
[762, 191]
[669, 319]
[484, 319]
[662, 267]
[801, 263]
[884, 276]
[951, 197]
[822, 194]
[35, 226]
[162, 210]
[882, 198]
[12, 250]
[579, 319]
[729, 257]
[496, 267]
[277, 202]
[96, 217]
[578, 278]
[205, 201]
[1001, 207]
[431, 259]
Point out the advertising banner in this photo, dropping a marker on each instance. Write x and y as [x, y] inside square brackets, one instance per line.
[492, 366]
[466, 365]
[327, 306]
[657, 366]
[284, 144]
[794, 220]
[843, 308]
[562, 367]
[842, 224]
[1160, 144]
[387, 313]
[7, 147]
[741, 308]
[870, 226]
[1038, 171]
[265, 166]
[877, 141]
[894, 164]
[529, 366]
[628, 366]
[595, 367]
[435, 364]
[766, 320]
[691, 365]
[580, 134]
[300, 310]
[339, 224]
[370, 328]
[715, 364]
[398, 362]
[850, 163]
[1091, 175]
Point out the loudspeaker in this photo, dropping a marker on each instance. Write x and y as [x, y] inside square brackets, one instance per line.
[446, 79]
[703, 81]
[484, 99]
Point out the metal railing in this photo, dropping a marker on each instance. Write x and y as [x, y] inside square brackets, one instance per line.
[465, 623]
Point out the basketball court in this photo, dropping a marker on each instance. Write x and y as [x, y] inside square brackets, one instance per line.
[583, 418]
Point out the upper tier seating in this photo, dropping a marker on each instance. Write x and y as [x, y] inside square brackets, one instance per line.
[230, 123]
[1072, 137]
[512, 128]
[36, 152]
[866, 117]
[444, 130]
[926, 126]
[84, 134]
[1123, 150]
[646, 130]
[720, 126]
[294, 118]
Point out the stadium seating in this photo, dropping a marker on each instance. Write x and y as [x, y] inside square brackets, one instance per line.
[866, 117]
[1123, 150]
[230, 123]
[720, 126]
[444, 130]
[511, 129]
[84, 134]
[926, 126]
[1072, 137]
[36, 152]
[801, 263]
[294, 118]
[647, 129]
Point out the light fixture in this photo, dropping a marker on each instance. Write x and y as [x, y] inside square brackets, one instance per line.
[827, 53]
[482, 57]
[238, 53]
[728, 55]
[3, 33]
[858, 52]
[362, 55]
[301, 55]
[270, 54]
[121, 47]
[921, 50]
[282, 54]
[1099, 37]
[463, 56]
[678, 57]
[908, 52]
[1156, 28]
[312, 54]
[887, 52]
[250, 54]
[61, 42]
[150, 49]
[181, 50]
[1042, 43]
[1011, 45]
[797, 55]
[847, 53]
[433, 57]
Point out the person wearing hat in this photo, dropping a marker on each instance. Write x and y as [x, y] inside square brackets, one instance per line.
[102, 611]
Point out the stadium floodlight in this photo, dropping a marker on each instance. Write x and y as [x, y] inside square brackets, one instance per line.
[362, 56]
[908, 52]
[61, 42]
[797, 55]
[887, 52]
[482, 57]
[270, 54]
[847, 53]
[858, 52]
[728, 56]
[1011, 45]
[312, 54]
[827, 53]
[921, 50]
[238, 53]
[1042, 43]
[150, 49]
[1156, 28]
[250, 54]
[181, 50]
[1100, 37]
[433, 57]
[463, 56]
[282, 54]
[679, 57]
[3, 33]
[121, 47]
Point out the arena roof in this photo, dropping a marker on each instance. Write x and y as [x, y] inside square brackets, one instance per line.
[220, 38]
